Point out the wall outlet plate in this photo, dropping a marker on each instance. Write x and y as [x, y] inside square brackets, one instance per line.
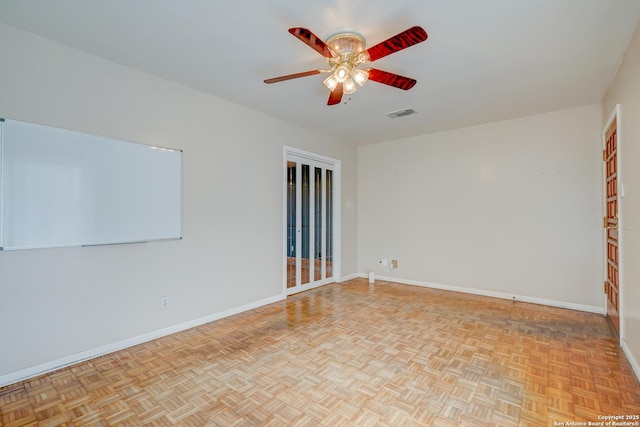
[164, 302]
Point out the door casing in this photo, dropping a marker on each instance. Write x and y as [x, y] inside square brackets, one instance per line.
[335, 165]
[614, 117]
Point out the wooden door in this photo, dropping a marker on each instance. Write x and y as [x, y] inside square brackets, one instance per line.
[610, 222]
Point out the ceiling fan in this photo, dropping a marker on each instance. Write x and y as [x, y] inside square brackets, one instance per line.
[345, 52]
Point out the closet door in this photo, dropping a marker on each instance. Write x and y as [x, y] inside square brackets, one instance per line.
[309, 252]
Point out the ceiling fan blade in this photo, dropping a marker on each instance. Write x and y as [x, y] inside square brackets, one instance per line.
[336, 95]
[293, 76]
[310, 39]
[391, 79]
[405, 39]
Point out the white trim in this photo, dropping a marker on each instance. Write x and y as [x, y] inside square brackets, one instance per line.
[349, 277]
[285, 244]
[632, 361]
[337, 219]
[493, 294]
[323, 224]
[612, 116]
[34, 371]
[310, 156]
[621, 275]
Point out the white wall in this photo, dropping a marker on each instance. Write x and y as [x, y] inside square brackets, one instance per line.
[625, 90]
[56, 303]
[512, 208]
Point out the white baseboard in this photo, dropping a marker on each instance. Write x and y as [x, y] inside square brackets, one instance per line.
[501, 295]
[349, 277]
[73, 359]
[632, 360]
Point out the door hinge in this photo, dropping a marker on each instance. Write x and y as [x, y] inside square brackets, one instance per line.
[605, 288]
[604, 155]
[604, 221]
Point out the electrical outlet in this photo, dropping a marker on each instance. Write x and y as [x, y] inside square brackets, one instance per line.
[394, 263]
[384, 262]
[164, 302]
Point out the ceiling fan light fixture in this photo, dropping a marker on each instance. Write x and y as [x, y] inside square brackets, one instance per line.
[341, 74]
[331, 82]
[359, 76]
[349, 86]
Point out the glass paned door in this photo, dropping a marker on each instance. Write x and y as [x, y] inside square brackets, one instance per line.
[309, 248]
[291, 224]
[318, 225]
[304, 265]
[329, 224]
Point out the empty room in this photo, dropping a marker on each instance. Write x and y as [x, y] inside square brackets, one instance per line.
[321, 213]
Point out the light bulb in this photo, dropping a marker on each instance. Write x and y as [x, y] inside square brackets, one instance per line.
[341, 73]
[360, 76]
[331, 82]
[349, 86]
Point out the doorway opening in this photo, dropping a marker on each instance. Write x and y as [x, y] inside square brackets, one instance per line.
[611, 222]
[312, 222]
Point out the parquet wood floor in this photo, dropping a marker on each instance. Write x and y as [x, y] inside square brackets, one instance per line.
[350, 354]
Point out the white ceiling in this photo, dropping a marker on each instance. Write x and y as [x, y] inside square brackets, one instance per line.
[483, 61]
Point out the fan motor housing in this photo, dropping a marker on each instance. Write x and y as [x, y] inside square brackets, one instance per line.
[346, 43]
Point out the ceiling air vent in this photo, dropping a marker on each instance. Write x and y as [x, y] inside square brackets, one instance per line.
[401, 113]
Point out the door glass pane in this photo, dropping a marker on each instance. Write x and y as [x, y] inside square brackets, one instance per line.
[306, 219]
[318, 225]
[329, 226]
[291, 224]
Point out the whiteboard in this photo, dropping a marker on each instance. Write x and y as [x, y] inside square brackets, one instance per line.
[65, 188]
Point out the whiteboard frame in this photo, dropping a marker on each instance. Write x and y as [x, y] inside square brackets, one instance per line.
[2, 121]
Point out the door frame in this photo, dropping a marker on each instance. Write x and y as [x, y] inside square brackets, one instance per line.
[614, 116]
[336, 166]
